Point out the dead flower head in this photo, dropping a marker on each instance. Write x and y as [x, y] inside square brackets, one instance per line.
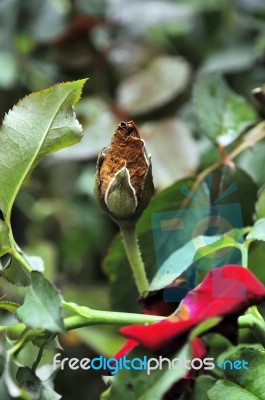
[124, 182]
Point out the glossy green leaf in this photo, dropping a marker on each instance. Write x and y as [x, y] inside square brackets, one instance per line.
[42, 306]
[223, 115]
[38, 125]
[181, 259]
[98, 122]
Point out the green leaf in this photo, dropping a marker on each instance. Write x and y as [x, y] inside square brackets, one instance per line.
[242, 383]
[98, 121]
[252, 161]
[229, 390]
[223, 115]
[15, 273]
[258, 231]
[181, 259]
[42, 307]
[38, 125]
[221, 243]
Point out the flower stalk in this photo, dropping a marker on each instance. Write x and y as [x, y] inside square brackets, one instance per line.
[93, 317]
[135, 259]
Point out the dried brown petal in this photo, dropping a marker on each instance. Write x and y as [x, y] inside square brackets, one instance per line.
[126, 149]
[124, 182]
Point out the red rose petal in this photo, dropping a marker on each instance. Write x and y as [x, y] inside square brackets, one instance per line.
[127, 347]
[225, 291]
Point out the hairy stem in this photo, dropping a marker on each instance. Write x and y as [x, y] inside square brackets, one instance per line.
[92, 317]
[135, 259]
[108, 317]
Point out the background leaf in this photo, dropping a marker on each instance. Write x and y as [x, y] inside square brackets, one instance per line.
[223, 115]
[173, 149]
[162, 80]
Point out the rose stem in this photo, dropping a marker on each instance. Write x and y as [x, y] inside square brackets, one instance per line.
[134, 256]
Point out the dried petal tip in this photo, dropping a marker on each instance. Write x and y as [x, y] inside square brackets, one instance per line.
[124, 182]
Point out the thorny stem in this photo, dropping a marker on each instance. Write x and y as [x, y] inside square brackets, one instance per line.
[135, 259]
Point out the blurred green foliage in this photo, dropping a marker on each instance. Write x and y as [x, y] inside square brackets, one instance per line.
[142, 58]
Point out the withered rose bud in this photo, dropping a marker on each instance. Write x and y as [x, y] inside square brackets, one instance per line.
[124, 182]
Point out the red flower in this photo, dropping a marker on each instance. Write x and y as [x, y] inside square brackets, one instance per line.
[226, 292]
